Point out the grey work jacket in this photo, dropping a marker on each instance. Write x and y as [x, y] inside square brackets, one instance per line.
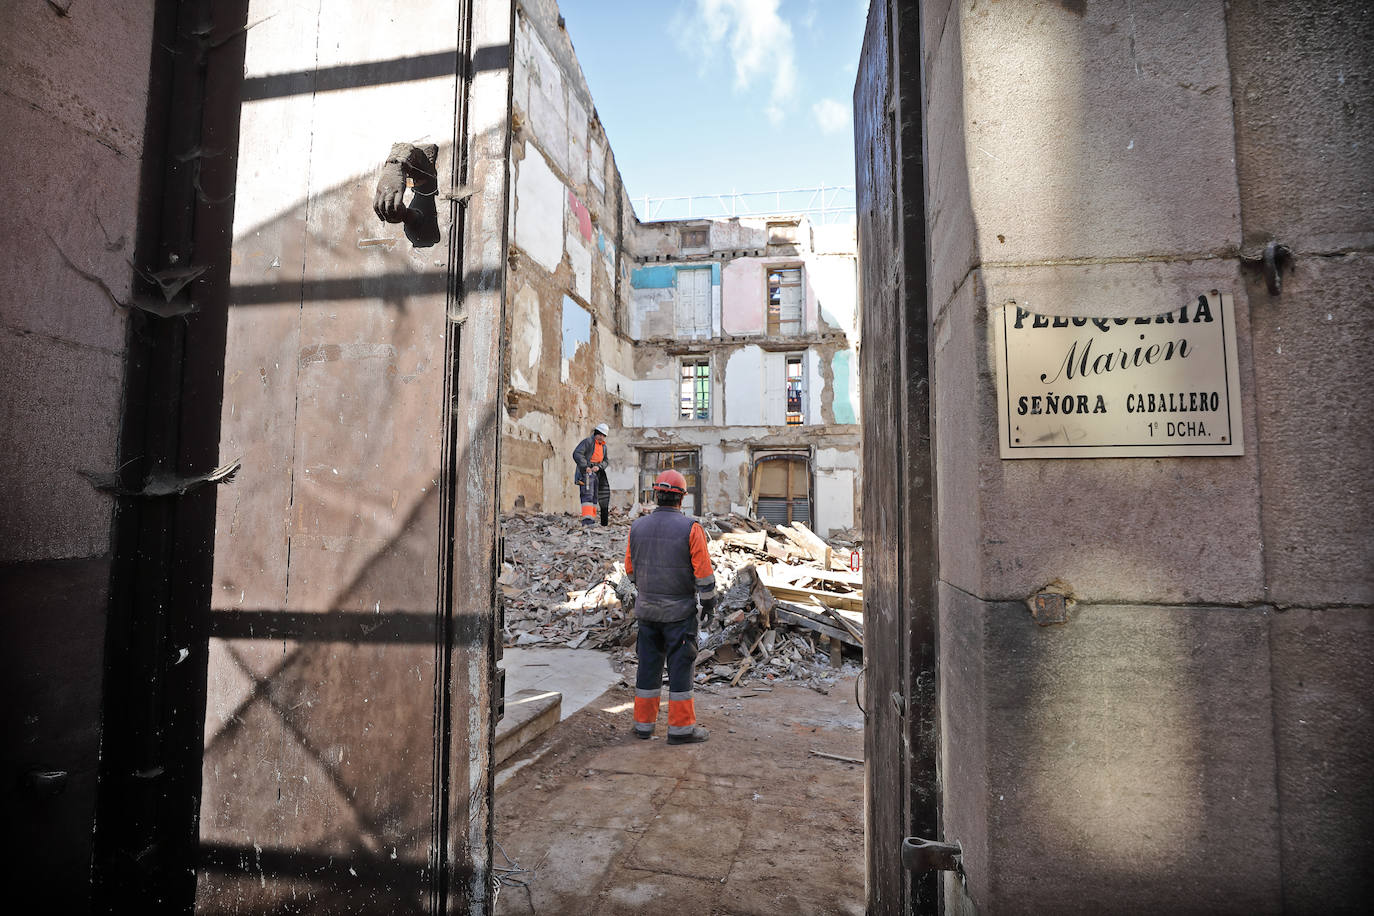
[661, 564]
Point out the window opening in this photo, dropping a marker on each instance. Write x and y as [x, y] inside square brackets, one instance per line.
[686, 462]
[782, 489]
[785, 300]
[695, 389]
[782, 233]
[694, 238]
[795, 414]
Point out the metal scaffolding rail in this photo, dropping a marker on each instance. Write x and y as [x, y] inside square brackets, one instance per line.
[823, 204]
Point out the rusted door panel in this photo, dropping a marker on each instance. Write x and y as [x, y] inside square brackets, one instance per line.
[901, 737]
[885, 809]
[330, 723]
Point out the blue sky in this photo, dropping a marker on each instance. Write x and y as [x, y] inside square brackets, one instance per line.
[709, 96]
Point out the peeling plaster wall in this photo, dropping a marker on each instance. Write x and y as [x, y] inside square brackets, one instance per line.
[748, 366]
[568, 274]
[610, 295]
[727, 456]
[743, 380]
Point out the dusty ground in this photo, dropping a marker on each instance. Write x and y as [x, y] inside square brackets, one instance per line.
[748, 823]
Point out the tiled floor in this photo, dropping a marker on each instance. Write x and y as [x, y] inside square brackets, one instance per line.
[748, 823]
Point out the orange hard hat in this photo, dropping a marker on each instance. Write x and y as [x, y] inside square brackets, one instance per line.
[671, 482]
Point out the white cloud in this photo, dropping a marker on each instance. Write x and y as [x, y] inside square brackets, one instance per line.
[831, 116]
[758, 40]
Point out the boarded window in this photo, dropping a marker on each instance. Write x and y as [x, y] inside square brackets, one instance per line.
[693, 317]
[685, 462]
[782, 488]
[694, 238]
[782, 233]
[785, 301]
[796, 415]
[695, 389]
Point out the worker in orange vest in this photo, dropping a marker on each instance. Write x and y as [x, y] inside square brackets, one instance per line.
[593, 488]
[666, 557]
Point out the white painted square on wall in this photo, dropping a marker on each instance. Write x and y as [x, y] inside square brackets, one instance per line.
[539, 210]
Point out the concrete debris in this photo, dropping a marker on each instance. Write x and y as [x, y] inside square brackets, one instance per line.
[789, 610]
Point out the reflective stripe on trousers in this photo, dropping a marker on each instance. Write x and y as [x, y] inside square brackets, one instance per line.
[673, 642]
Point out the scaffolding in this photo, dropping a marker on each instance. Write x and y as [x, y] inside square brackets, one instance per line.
[822, 204]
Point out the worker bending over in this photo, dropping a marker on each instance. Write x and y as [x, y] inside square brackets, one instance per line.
[666, 558]
[593, 488]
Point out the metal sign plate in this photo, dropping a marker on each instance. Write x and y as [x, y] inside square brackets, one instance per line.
[1075, 387]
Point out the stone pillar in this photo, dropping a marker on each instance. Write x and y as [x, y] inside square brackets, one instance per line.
[73, 108]
[1196, 736]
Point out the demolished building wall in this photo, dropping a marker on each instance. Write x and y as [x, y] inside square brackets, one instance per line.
[568, 367]
[608, 313]
[776, 382]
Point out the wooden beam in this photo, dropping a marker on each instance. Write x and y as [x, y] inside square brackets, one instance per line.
[840, 618]
[814, 545]
[833, 576]
[851, 602]
[791, 614]
[754, 540]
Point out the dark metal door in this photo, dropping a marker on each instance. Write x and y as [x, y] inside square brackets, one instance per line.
[341, 722]
[902, 734]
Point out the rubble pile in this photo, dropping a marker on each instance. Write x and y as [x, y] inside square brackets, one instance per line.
[790, 606]
[563, 584]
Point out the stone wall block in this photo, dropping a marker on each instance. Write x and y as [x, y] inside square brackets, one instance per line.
[55, 638]
[1133, 767]
[965, 407]
[1303, 93]
[963, 733]
[63, 402]
[1323, 670]
[49, 63]
[1169, 530]
[1079, 114]
[1312, 345]
[74, 224]
[951, 230]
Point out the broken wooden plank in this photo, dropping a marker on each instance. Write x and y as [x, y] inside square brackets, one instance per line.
[752, 541]
[816, 753]
[853, 631]
[833, 576]
[798, 544]
[810, 541]
[850, 602]
[791, 614]
[748, 661]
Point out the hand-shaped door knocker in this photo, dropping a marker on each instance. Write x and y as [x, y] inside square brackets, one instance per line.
[415, 166]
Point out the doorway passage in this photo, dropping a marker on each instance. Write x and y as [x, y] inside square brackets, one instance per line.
[685, 461]
[782, 488]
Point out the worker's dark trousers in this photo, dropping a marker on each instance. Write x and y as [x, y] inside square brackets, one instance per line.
[595, 489]
[677, 641]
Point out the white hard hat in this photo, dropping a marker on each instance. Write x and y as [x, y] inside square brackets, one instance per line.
[603, 429]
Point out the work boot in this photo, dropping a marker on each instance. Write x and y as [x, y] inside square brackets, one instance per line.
[640, 733]
[696, 736]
